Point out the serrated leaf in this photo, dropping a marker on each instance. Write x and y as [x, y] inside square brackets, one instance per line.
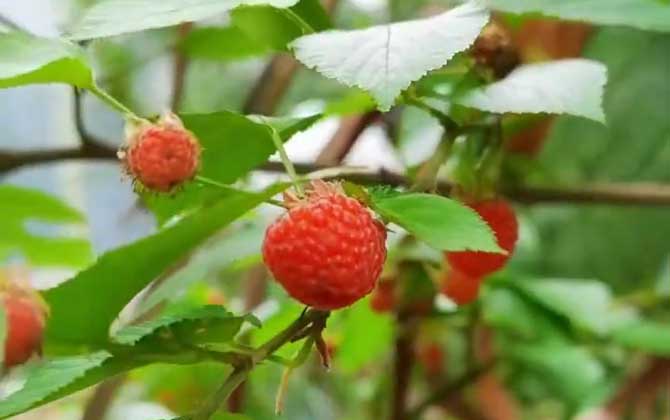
[107, 286]
[442, 223]
[642, 14]
[210, 323]
[115, 17]
[47, 379]
[26, 59]
[574, 87]
[384, 60]
[21, 206]
[649, 336]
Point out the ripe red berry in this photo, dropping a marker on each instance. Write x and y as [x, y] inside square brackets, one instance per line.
[460, 287]
[161, 156]
[25, 317]
[500, 217]
[383, 297]
[328, 250]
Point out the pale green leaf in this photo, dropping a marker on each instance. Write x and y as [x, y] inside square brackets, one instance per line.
[115, 17]
[26, 59]
[574, 86]
[385, 60]
[442, 223]
[648, 336]
[21, 206]
[643, 14]
[216, 43]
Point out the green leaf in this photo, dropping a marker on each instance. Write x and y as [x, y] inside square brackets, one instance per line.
[106, 287]
[570, 371]
[237, 244]
[47, 379]
[643, 14]
[354, 102]
[20, 206]
[367, 337]
[587, 304]
[646, 335]
[574, 87]
[207, 324]
[384, 60]
[26, 59]
[115, 17]
[267, 26]
[215, 43]
[442, 223]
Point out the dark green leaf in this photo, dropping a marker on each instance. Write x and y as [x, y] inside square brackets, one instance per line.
[115, 17]
[215, 43]
[106, 287]
[442, 223]
[642, 14]
[25, 59]
[267, 26]
[20, 206]
[48, 379]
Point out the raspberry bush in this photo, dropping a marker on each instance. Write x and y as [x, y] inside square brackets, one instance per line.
[334, 210]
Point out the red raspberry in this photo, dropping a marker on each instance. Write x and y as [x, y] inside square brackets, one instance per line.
[25, 316]
[460, 287]
[328, 250]
[500, 217]
[161, 156]
[383, 297]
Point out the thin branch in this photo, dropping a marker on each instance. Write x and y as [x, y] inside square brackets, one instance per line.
[345, 137]
[272, 85]
[4, 20]
[180, 67]
[402, 364]
[102, 398]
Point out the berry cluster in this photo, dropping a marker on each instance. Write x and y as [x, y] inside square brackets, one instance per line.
[468, 268]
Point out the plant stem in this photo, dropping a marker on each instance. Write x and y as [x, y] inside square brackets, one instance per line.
[208, 181]
[212, 405]
[306, 27]
[288, 165]
[114, 103]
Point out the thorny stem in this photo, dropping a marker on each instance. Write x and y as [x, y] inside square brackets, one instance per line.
[114, 103]
[288, 165]
[244, 365]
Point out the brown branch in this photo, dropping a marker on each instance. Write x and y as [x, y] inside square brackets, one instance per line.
[641, 390]
[345, 137]
[272, 85]
[180, 67]
[403, 361]
[647, 194]
[102, 398]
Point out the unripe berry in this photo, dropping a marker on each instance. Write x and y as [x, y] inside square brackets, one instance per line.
[25, 314]
[161, 156]
[328, 250]
[500, 217]
[460, 287]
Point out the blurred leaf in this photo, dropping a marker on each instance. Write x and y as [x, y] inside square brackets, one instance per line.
[25, 59]
[216, 43]
[47, 379]
[21, 206]
[587, 304]
[507, 310]
[442, 223]
[355, 101]
[367, 337]
[642, 14]
[237, 244]
[649, 336]
[385, 60]
[115, 17]
[106, 287]
[571, 372]
[559, 87]
[206, 324]
[274, 29]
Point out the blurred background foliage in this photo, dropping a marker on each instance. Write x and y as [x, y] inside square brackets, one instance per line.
[578, 318]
